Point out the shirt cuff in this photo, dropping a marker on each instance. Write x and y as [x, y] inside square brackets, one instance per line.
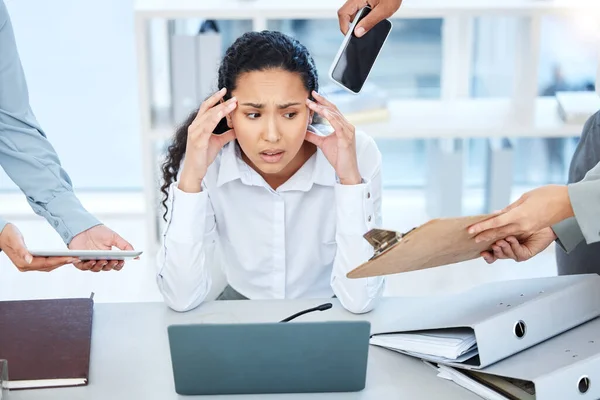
[585, 197]
[568, 234]
[354, 208]
[187, 215]
[67, 216]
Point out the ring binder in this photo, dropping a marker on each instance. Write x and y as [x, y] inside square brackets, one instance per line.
[506, 317]
[564, 367]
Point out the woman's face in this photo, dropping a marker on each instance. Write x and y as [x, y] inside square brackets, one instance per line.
[271, 118]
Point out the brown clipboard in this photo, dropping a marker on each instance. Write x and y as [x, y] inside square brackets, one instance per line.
[441, 241]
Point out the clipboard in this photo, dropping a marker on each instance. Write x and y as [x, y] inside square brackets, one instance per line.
[441, 241]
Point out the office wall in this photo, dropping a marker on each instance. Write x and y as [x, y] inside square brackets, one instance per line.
[79, 59]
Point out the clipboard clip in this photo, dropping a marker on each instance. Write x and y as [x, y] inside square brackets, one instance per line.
[383, 240]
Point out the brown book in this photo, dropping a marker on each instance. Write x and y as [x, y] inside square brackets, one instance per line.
[439, 242]
[46, 342]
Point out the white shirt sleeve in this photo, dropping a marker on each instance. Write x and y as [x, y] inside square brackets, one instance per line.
[187, 248]
[358, 209]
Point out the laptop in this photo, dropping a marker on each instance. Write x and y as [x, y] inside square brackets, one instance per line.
[260, 358]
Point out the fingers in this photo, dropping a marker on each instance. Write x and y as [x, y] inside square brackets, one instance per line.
[335, 118]
[110, 265]
[324, 101]
[490, 223]
[119, 265]
[313, 138]
[488, 257]
[347, 12]
[511, 229]
[378, 14]
[507, 249]
[85, 265]
[48, 263]
[121, 243]
[226, 137]
[100, 265]
[211, 101]
[206, 122]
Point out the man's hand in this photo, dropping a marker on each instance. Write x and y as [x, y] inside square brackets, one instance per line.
[99, 237]
[535, 210]
[12, 243]
[521, 249]
[381, 9]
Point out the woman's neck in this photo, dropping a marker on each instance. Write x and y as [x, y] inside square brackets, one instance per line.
[278, 179]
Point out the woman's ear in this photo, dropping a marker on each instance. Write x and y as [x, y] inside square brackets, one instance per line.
[310, 117]
[229, 121]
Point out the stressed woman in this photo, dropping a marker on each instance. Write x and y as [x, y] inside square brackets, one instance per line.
[286, 205]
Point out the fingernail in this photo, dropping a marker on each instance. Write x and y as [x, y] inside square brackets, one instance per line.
[360, 31]
[471, 231]
[233, 99]
[222, 90]
[28, 258]
[72, 260]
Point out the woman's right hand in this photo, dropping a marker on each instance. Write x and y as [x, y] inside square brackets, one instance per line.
[202, 145]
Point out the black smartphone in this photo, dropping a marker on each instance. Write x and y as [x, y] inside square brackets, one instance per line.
[357, 55]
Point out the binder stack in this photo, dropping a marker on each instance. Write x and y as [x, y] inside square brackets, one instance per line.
[531, 338]
[194, 68]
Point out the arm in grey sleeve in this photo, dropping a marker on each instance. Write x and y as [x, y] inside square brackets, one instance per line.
[26, 155]
[584, 190]
[568, 234]
[585, 200]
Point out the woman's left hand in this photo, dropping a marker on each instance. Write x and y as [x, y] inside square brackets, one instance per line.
[340, 146]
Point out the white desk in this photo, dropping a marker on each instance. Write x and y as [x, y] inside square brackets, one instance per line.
[130, 356]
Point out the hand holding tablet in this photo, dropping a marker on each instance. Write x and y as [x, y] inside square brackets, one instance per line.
[88, 255]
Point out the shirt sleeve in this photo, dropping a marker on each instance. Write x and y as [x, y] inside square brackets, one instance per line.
[358, 210]
[26, 155]
[187, 249]
[585, 200]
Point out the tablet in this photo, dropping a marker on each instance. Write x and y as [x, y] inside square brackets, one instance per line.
[88, 254]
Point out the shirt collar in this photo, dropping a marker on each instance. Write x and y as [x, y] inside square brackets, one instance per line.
[317, 170]
[229, 170]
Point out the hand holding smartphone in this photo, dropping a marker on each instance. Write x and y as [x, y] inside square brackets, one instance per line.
[356, 56]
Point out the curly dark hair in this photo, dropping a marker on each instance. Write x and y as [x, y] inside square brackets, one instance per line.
[253, 51]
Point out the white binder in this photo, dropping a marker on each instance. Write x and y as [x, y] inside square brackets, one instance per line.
[183, 77]
[564, 367]
[208, 56]
[506, 317]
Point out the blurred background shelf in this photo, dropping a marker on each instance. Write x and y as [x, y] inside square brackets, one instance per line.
[450, 106]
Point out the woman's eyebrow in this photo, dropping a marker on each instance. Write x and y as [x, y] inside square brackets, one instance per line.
[286, 105]
[254, 105]
[280, 106]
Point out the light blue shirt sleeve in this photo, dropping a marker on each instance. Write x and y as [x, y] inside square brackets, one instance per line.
[26, 155]
[3, 223]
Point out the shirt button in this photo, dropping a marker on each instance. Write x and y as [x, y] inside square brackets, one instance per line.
[368, 195]
[65, 235]
[55, 223]
[369, 219]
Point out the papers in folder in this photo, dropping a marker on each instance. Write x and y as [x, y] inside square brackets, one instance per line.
[489, 387]
[448, 345]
